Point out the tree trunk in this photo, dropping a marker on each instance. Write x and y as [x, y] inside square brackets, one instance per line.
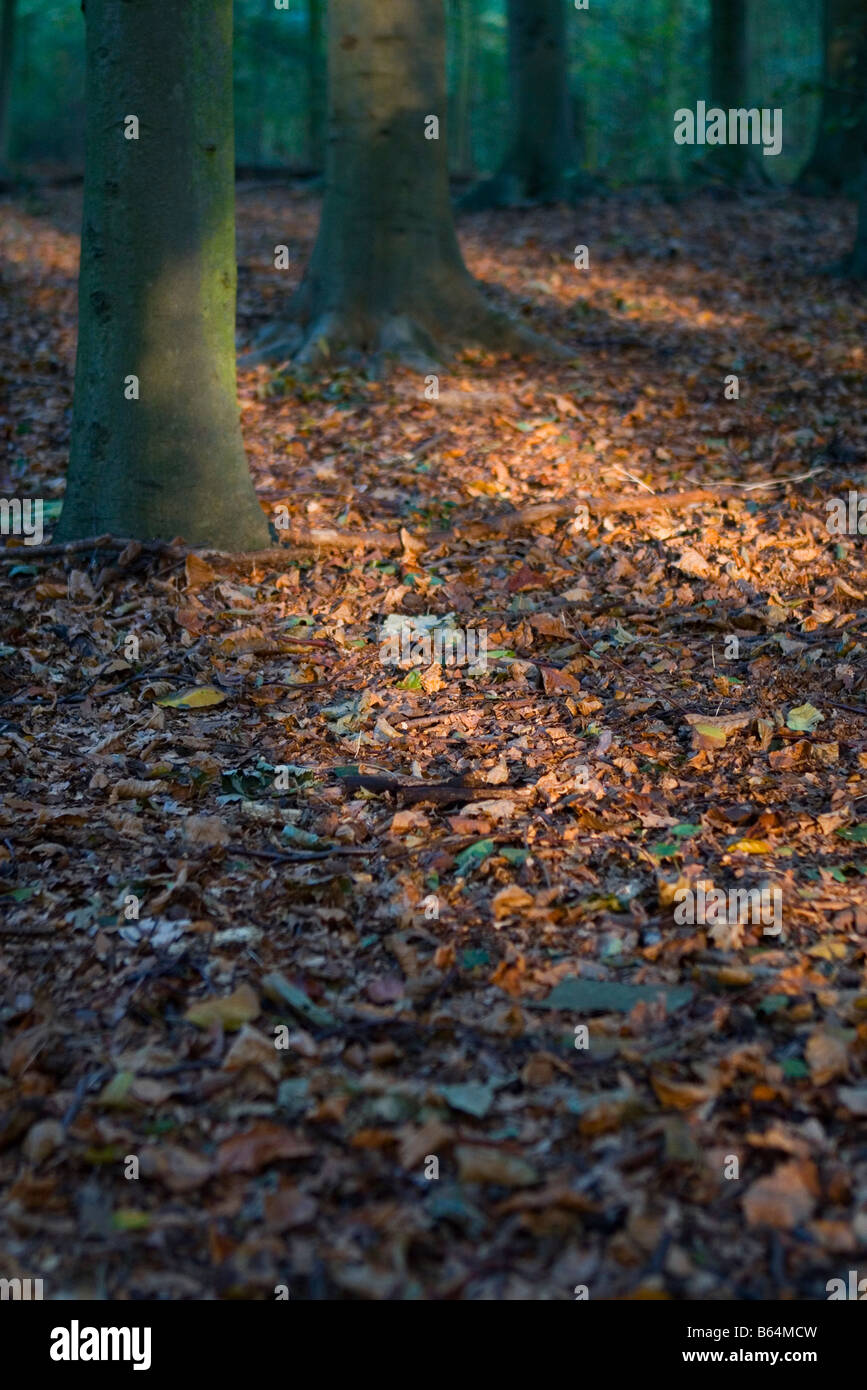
[315, 85]
[834, 165]
[855, 264]
[386, 275]
[670, 70]
[462, 26]
[538, 165]
[156, 296]
[7, 59]
[729, 75]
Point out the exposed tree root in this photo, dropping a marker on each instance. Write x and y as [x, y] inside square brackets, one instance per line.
[421, 340]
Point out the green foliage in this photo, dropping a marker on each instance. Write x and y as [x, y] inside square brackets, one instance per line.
[632, 64]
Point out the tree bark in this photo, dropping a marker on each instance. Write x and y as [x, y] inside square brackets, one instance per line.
[729, 74]
[157, 285]
[462, 27]
[855, 264]
[315, 85]
[386, 275]
[834, 164]
[538, 165]
[7, 59]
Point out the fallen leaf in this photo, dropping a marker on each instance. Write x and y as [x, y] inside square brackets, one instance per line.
[785, 1199]
[482, 1164]
[264, 1143]
[235, 1009]
[198, 697]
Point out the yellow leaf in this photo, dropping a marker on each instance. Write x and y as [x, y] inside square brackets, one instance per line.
[240, 1007]
[199, 697]
[753, 847]
[832, 948]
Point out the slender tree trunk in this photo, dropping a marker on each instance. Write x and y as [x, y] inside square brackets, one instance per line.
[156, 296]
[673, 22]
[538, 165]
[729, 74]
[7, 59]
[834, 165]
[855, 264]
[315, 85]
[462, 27]
[386, 274]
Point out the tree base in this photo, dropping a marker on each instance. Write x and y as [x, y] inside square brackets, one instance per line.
[418, 340]
[852, 266]
[240, 525]
[511, 188]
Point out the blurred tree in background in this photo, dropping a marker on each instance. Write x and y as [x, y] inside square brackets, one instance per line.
[631, 64]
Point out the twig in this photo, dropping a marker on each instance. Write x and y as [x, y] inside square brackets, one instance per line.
[299, 858]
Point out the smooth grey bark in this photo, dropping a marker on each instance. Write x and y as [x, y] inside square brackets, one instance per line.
[386, 275]
[157, 285]
[538, 167]
[834, 165]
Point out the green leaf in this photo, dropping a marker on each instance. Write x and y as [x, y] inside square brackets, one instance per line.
[472, 1097]
[473, 957]
[858, 833]
[603, 996]
[772, 1003]
[303, 838]
[128, 1219]
[471, 857]
[804, 718]
[684, 831]
[795, 1068]
[515, 855]
[281, 991]
[411, 681]
[665, 851]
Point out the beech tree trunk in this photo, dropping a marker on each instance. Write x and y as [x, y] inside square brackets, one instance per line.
[386, 276]
[834, 165]
[157, 285]
[538, 167]
[315, 84]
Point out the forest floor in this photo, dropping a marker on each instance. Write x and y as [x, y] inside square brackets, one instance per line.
[429, 958]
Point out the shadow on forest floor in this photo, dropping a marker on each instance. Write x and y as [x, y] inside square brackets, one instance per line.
[438, 956]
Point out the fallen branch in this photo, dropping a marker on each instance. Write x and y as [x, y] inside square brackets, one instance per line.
[11, 554]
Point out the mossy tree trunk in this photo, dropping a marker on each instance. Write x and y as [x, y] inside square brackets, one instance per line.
[834, 165]
[386, 275]
[156, 442]
[538, 167]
